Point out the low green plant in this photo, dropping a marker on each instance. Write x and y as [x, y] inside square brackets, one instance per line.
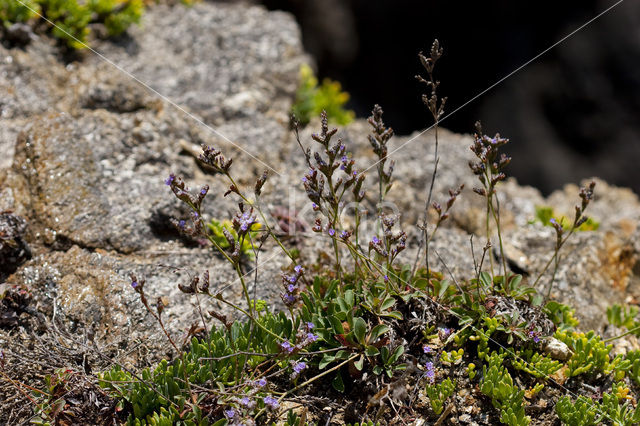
[227, 237]
[452, 357]
[563, 316]
[117, 15]
[12, 11]
[498, 385]
[590, 353]
[535, 363]
[312, 99]
[580, 412]
[614, 407]
[70, 20]
[544, 215]
[623, 316]
[439, 393]
[634, 365]
[218, 360]
[51, 403]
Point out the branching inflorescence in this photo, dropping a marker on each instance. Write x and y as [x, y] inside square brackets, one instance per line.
[364, 322]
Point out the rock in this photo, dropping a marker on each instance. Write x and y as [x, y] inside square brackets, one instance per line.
[235, 67]
[14, 250]
[557, 349]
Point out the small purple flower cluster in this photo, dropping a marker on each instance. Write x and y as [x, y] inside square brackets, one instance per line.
[243, 221]
[271, 402]
[390, 245]
[292, 289]
[298, 367]
[182, 192]
[379, 137]
[430, 372]
[240, 410]
[444, 333]
[304, 337]
[489, 167]
[214, 159]
[534, 335]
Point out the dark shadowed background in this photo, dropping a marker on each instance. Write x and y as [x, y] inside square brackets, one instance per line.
[571, 114]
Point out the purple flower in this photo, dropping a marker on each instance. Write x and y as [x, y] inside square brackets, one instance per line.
[291, 288]
[181, 224]
[299, 367]
[286, 346]
[230, 413]
[203, 191]
[386, 278]
[262, 382]
[315, 207]
[245, 401]
[431, 372]
[310, 326]
[331, 232]
[311, 337]
[134, 284]
[375, 240]
[304, 179]
[344, 159]
[533, 335]
[344, 235]
[168, 181]
[271, 402]
[427, 349]
[288, 299]
[299, 270]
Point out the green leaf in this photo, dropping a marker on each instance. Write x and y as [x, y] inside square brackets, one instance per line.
[393, 314]
[349, 298]
[359, 329]
[336, 324]
[378, 331]
[337, 383]
[371, 351]
[326, 360]
[396, 354]
[342, 354]
[359, 364]
[485, 280]
[387, 303]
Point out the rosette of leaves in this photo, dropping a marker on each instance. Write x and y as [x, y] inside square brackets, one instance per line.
[340, 322]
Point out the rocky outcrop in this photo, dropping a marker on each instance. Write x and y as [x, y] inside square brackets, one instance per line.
[86, 149]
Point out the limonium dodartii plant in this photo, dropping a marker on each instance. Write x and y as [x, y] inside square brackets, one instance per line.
[397, 342]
